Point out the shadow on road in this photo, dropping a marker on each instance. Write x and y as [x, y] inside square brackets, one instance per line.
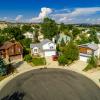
[15, 96]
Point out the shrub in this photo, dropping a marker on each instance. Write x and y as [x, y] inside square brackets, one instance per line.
[3, 68]
[92, 63]
[38, 61]
[28, 58]
[62, 60]
[69, 53]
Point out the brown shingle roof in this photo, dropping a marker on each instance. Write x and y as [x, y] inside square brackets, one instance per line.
[6, 45]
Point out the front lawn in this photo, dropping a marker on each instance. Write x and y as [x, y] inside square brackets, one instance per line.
[38, 61]
[35, 61]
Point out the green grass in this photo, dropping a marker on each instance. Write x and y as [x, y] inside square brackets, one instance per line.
[38, 61]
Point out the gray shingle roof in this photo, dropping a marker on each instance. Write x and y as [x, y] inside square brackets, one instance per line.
[35, 45]
[39, 45]
[45, 41]
[92, 46]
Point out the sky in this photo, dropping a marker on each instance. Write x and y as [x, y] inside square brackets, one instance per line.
[62, 11]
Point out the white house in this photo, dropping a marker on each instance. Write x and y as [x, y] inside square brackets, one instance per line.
[45, 48]
[29, 35]
[87, 50]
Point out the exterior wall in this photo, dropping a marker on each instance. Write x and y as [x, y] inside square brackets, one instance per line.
[84, 50]
[33, 50]
[13, 52]
[87, 52]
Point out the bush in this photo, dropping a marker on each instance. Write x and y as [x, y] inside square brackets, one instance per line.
[3, 68]
[69, 53]
[92, 63]
[38, 61]
[28, 58]
[62, 60]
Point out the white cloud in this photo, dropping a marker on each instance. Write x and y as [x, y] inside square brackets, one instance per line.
[44, 13]
[61, 10]
[5, 18]
[78, 12]
[19, 17]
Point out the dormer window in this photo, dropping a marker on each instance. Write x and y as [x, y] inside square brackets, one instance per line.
[51, 46]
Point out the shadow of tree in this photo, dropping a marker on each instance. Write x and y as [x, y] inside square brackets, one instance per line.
[15, 96]
[16, 65]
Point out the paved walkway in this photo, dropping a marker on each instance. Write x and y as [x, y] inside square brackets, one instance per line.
[77, 67]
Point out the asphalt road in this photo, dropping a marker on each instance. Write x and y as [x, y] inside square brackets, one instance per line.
[50, 84]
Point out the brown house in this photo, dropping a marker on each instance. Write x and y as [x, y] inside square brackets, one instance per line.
[11, 50]
[87, 50]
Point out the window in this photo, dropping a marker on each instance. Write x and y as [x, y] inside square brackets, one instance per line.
[36, 50]
[89, 52]
[51, 47]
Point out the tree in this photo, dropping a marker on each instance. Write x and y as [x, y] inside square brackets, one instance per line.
[72, 51]
[83, 39]
[13, 33]
[62, 27]
[16, 33]
[69, 53]
[75, 32]
[62, 60]
[26, 42]
[3, 70]
[93, 37]
[49, 28]
[62, 43]
[26, 28]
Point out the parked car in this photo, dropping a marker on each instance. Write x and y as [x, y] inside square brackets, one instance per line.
[54, 57]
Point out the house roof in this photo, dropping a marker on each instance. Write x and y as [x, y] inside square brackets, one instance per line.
[35, 45]
[40, 44]
[7, 45]
[92, 46]
[45, 41]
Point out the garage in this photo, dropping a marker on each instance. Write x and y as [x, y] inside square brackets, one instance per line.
[49, 53]
[83, 58]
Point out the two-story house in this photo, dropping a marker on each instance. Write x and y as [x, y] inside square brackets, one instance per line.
[45, 48]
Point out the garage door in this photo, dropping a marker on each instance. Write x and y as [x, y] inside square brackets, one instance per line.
[49, 53]
[82, 58]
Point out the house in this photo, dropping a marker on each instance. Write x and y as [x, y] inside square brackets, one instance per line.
[87, 50]
[59, 38]
[11, 50]
[45, 48]
[29, 35]
[98, 35]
